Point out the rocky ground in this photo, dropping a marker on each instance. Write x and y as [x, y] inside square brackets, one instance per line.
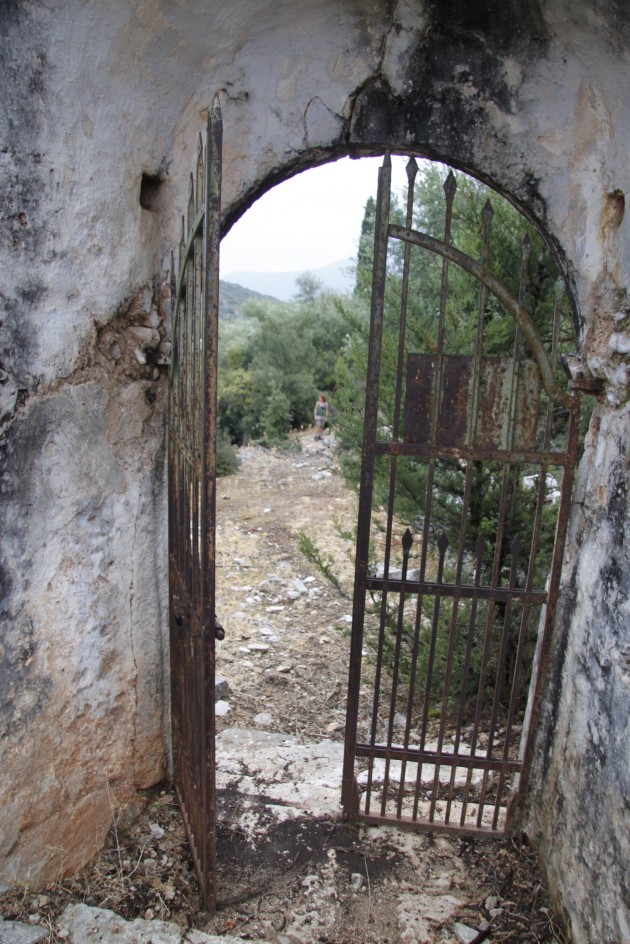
[286, 646]
[290, 871]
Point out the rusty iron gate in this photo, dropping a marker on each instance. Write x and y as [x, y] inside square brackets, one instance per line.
[192, 502]
[480, 438]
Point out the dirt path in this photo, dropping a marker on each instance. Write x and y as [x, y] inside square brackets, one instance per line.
[286, 647]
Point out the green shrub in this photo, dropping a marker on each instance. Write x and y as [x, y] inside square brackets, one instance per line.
[227, 457]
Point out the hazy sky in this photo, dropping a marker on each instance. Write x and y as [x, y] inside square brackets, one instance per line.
[306, 222]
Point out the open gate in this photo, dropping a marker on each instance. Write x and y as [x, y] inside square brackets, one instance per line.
[192, 502]
[481, 434]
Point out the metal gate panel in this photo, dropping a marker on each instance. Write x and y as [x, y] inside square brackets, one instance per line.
[496, 383]
[192, 499]
[446, 620]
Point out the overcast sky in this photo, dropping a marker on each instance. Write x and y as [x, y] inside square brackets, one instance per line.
[307, 222]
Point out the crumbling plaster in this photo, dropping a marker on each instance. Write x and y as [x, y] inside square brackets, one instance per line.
[534, 98]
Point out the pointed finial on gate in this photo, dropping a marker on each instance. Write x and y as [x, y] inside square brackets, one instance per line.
[526, 246]
[412, 170]
[442, 543]
[487, 213]
[450, 185]
[191, 202]
[407, 541]
[214, 128]
[182, 245]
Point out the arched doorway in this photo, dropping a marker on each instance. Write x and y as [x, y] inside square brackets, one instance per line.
[473, 404]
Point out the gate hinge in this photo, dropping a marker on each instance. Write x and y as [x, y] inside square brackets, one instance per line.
[580, 376]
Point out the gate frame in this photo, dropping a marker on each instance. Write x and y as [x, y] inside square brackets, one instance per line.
[384, 230]
[192, 505]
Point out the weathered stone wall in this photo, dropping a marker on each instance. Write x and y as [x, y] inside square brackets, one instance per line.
[82, 669]
[533, 97]
[580, 797]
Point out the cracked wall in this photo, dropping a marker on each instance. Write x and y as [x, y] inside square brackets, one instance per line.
[98, 124]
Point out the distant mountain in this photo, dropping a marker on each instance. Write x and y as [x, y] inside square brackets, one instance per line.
[337, 277]
[232, 297]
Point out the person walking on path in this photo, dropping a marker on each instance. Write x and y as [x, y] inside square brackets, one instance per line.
[320, 415]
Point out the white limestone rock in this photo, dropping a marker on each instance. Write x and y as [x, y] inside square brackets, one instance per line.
[87, 925]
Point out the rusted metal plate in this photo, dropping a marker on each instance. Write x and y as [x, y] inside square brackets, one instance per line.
[509, 404]
[507, 414]
[426, 391]
[420, 397]
[434, 735]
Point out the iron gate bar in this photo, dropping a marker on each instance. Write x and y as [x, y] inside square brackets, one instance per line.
[498, 685]
[518, 456]
[449, 190]
[415, 755]
[459, 591]
[544, 647]
[412, 170]
[503, 606]
[473, 832]
[192, 502]
[480, 547]
[350, 795]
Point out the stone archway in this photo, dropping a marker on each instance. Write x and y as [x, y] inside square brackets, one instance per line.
[531, 334]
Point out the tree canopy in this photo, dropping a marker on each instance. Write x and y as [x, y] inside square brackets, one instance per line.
[275, 361]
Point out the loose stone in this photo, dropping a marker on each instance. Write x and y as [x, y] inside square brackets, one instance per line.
[263, 720]
[221, 687]
[14, 932]
[464, 934]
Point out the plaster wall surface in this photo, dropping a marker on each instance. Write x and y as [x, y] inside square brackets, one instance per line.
[534, 98]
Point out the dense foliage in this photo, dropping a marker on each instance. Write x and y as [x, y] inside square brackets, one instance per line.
[275, 360]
